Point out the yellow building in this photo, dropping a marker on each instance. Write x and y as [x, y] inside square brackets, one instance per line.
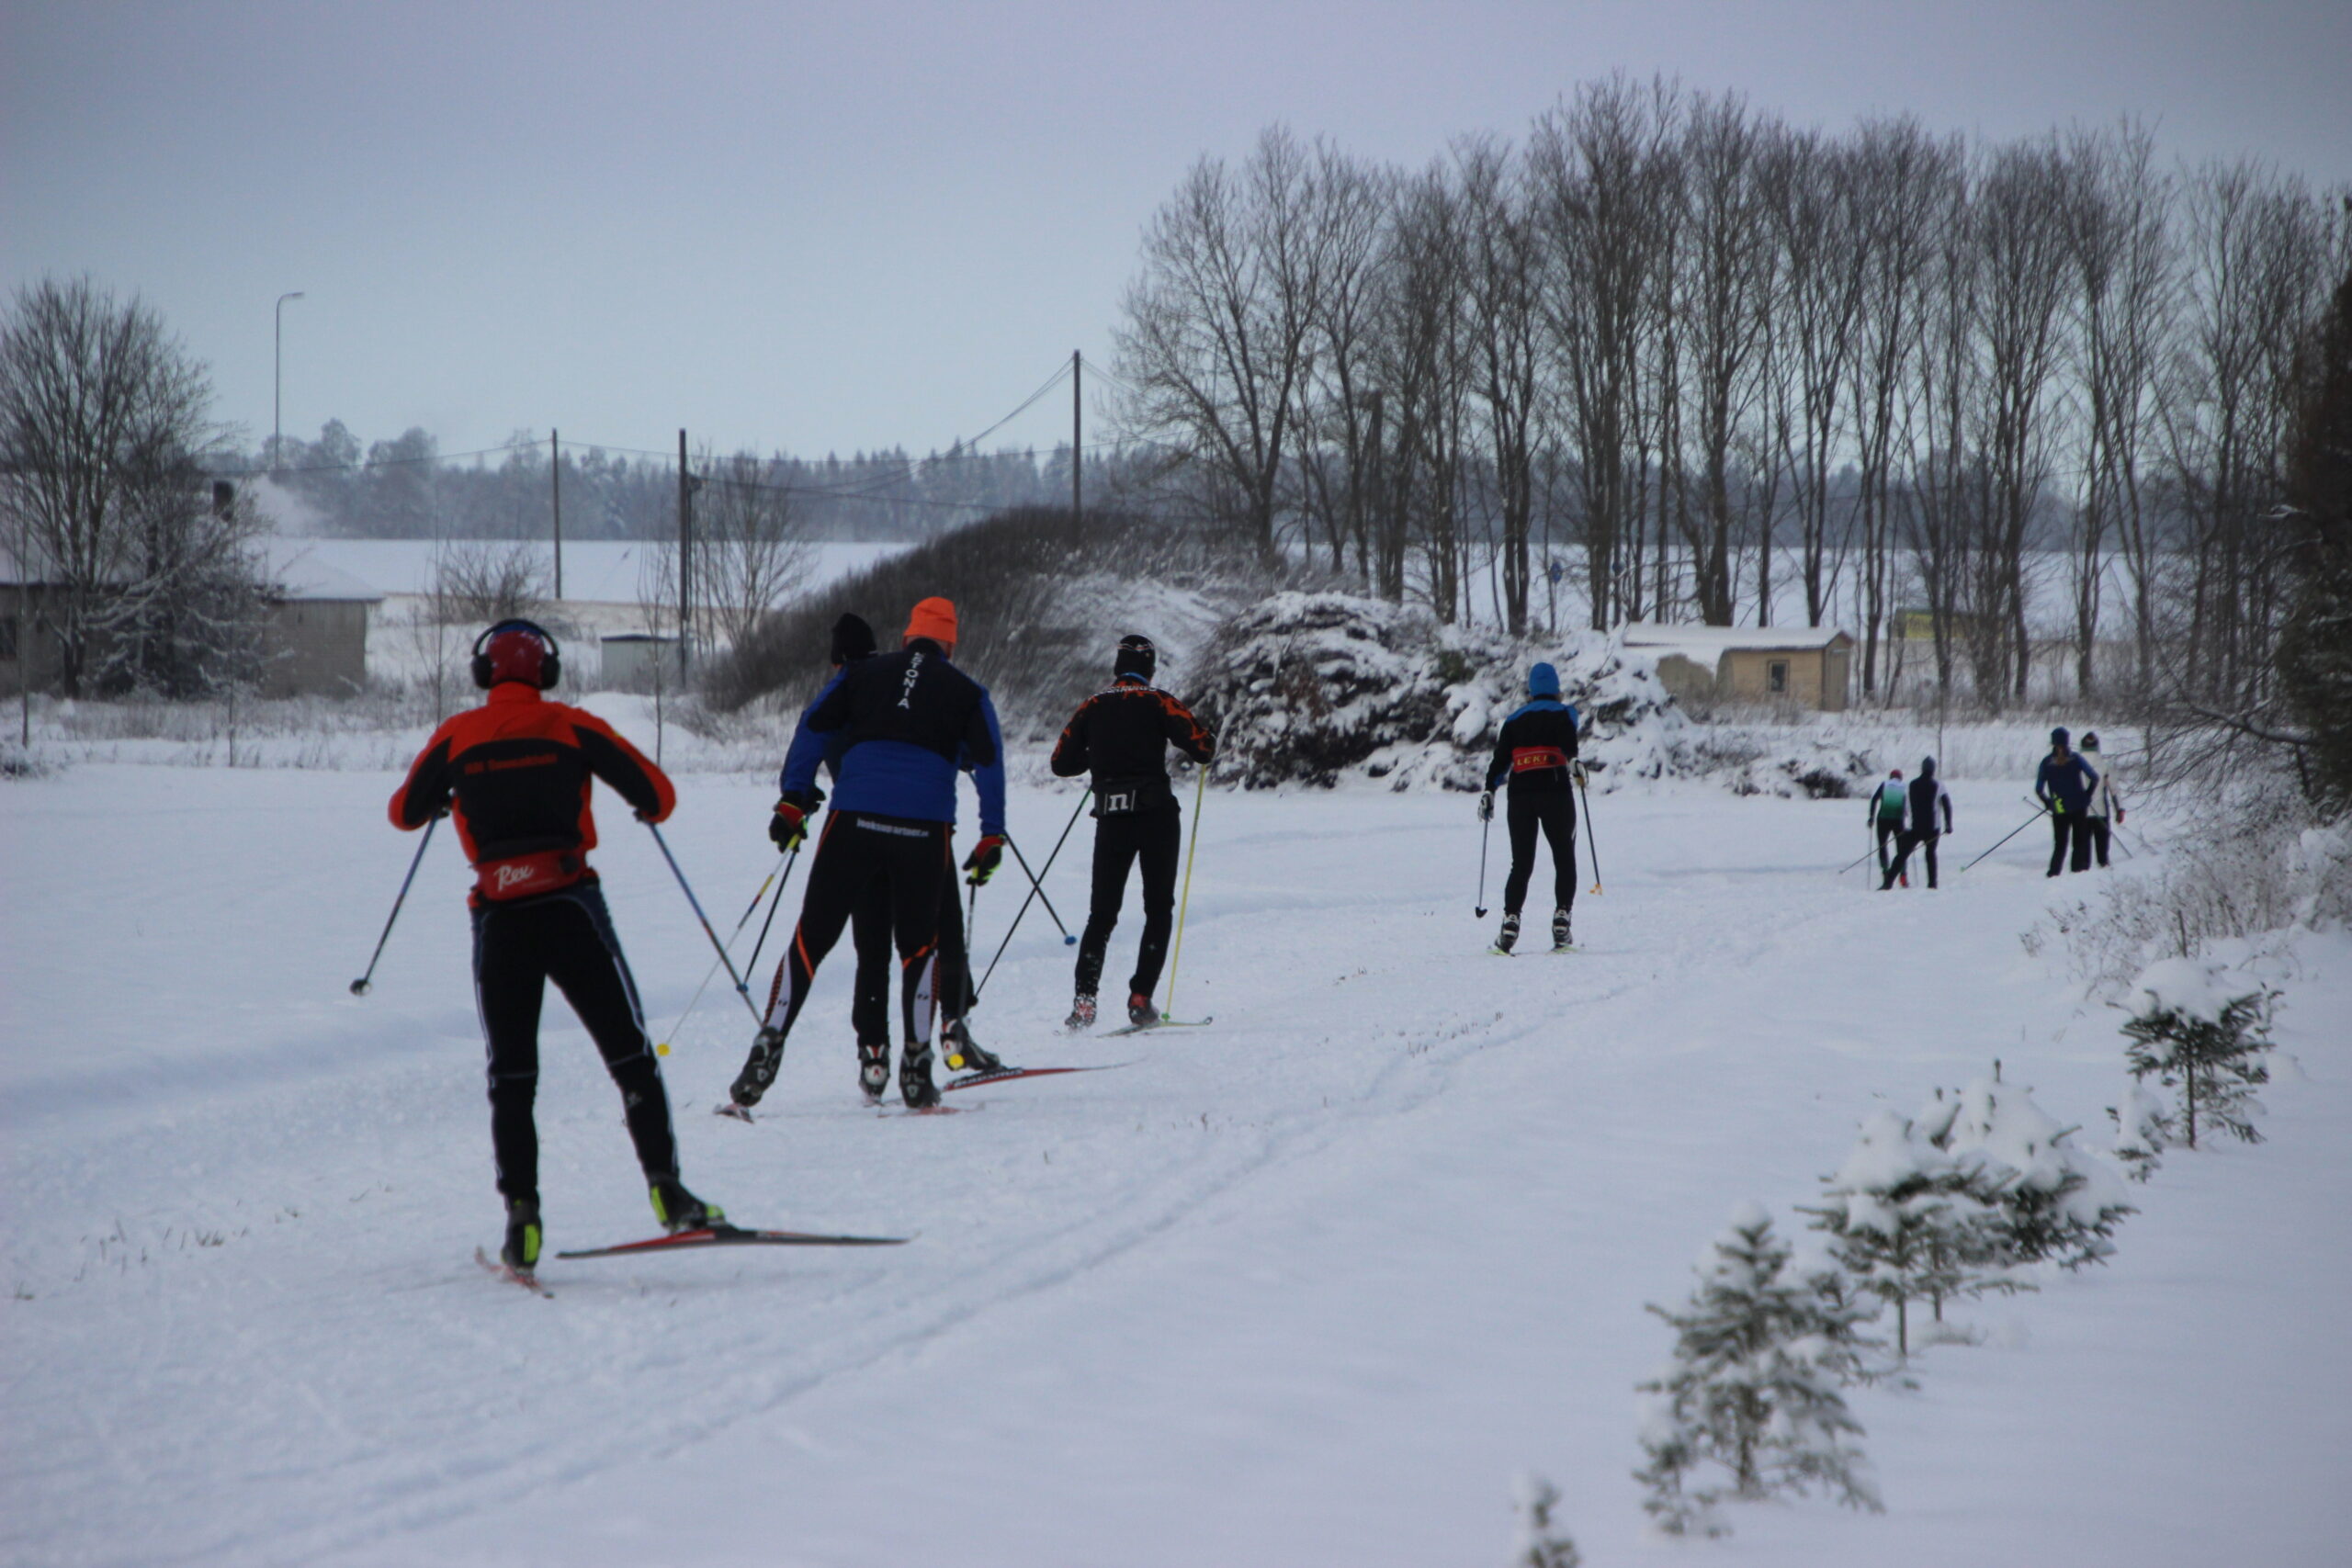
[1805, 667]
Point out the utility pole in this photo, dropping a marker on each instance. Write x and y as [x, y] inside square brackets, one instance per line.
[277, 385]
[685, 558]
[555, 494]
[1077, 432]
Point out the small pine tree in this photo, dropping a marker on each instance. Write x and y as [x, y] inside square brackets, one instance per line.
[1753, 1388]
[2144, 1130]
[1907, 1224]
[2187, 1032]
[2056, 1202]
[1539, 1546]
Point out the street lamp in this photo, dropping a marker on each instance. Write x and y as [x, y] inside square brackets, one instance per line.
[278, 388]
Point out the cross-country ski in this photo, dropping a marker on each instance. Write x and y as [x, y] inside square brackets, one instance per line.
[731, 1235]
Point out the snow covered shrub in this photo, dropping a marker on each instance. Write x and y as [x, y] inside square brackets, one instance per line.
[2144, 1130]
[1538, 1546]
[2056, 1203]
[2189, 1031]
[1909, 1222]
[1752, 1393]
[20, 762]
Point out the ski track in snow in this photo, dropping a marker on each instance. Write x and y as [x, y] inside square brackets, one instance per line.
[1335, 1267]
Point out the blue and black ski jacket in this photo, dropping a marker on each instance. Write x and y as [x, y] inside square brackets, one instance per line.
[1534, 748]
[2065, 784]
[896, 729]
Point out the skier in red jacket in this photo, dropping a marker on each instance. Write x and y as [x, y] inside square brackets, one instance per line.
[515, 775]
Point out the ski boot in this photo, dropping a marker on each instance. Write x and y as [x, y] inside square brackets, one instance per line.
[1508, 938]
[759, 1068]
[1561, 938]
[1082, 1014]
[964, 1054]
[1140, 1012]
[679, 1209]
[521, 1252]
[873, 1069]
[915, 1087]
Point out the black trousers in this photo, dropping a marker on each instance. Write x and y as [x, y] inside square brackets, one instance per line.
[1553, 811]
[2070, 842]
[1911, 840]
[861, 857]
[2097, 828]
[566, 937]
[1890, 830]
[1151, 840]
[870, 936]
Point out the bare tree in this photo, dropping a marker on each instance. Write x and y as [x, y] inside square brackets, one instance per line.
[751, 551]
[485, 581]
[101, 413]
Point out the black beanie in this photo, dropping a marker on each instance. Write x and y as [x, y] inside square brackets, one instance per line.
[852, 639]
[1136, 657]
[2058, 737]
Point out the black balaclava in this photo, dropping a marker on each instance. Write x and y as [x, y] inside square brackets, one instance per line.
[1927, 767]
[1136, 657]
[852, 639]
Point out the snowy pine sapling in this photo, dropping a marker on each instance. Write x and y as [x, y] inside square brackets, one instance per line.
[1540, 1546]
[2144, 1130]
[2056, 1202]
[1753, 1389]
[1908, 1223]
[2186, 1030]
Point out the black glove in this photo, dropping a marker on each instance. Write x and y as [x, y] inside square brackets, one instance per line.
[986, 856]
[789, 825]
[1486, 806]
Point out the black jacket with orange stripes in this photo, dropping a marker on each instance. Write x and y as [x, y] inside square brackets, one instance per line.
[1121, 735]
[515, 773]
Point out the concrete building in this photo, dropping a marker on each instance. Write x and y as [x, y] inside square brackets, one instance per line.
[1804, 667]
[637, 661]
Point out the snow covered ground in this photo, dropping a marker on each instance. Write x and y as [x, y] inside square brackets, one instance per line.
[1311, 1285]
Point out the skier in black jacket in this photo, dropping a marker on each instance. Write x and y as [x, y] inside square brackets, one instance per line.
[1536, 752]
[1927, 797]
[2064, 784]
[1121, 735]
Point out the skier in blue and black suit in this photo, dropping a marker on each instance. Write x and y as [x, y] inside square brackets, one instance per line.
[1536, 753]
[908, 723]
[2064, 784]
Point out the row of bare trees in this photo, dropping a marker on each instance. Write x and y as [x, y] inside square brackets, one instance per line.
[1672, 357]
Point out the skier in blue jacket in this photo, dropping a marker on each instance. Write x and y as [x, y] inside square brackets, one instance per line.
[908, 723]
[1535, 753]
[2064, 784]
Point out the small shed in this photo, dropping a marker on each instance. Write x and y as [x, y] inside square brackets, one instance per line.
[317, 626]
[639, 661]
[1807, 666]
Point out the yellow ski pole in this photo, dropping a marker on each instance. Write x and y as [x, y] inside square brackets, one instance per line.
[1200, 791]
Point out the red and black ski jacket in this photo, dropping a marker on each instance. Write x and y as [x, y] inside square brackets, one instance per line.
[1122, 735]
[515, 773]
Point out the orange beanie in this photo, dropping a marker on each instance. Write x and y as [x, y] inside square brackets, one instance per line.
[933, 618]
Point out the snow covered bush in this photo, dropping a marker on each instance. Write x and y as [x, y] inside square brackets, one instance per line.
[1539, 1546]
[1752, 1394]
[2192, 1029]
[1909, 1222]
[2056, 1202]
[2144, 1130]
[22, 763]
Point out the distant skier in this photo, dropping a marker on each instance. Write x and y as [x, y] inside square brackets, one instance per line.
[2064, 784]
[909, 721]
[2105, 803]
[1535, 753]
[1927, 797]
[515, 775]
[1889, 808]
[1120, 736]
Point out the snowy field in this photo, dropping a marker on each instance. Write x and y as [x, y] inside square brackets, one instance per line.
[1312, 1285]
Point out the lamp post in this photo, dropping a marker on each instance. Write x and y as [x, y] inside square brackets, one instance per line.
[277, 387]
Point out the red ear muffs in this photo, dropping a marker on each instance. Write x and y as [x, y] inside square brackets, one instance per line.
[517, 651]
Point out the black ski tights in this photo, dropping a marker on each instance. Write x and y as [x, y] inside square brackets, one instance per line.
[860, 858]
[566, 937]
[1555, 811]
[1151, 839]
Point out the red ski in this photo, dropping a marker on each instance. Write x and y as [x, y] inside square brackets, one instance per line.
[732, 1235]
[513, 1276]
[1006, 1075]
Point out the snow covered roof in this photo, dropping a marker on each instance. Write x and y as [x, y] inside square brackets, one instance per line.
[1706, 645]
[292, 566]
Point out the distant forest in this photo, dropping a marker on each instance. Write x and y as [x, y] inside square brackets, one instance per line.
[407, 489]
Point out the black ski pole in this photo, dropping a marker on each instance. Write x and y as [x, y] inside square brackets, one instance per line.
[742, 989]
[2013, 833]
[1033, 891]
[1592, 842]
[661, 1046]
[1486, 832]
[359, 987]
[752, 965]
[1038, 884]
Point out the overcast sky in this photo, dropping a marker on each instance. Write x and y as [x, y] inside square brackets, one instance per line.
[859, 224]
